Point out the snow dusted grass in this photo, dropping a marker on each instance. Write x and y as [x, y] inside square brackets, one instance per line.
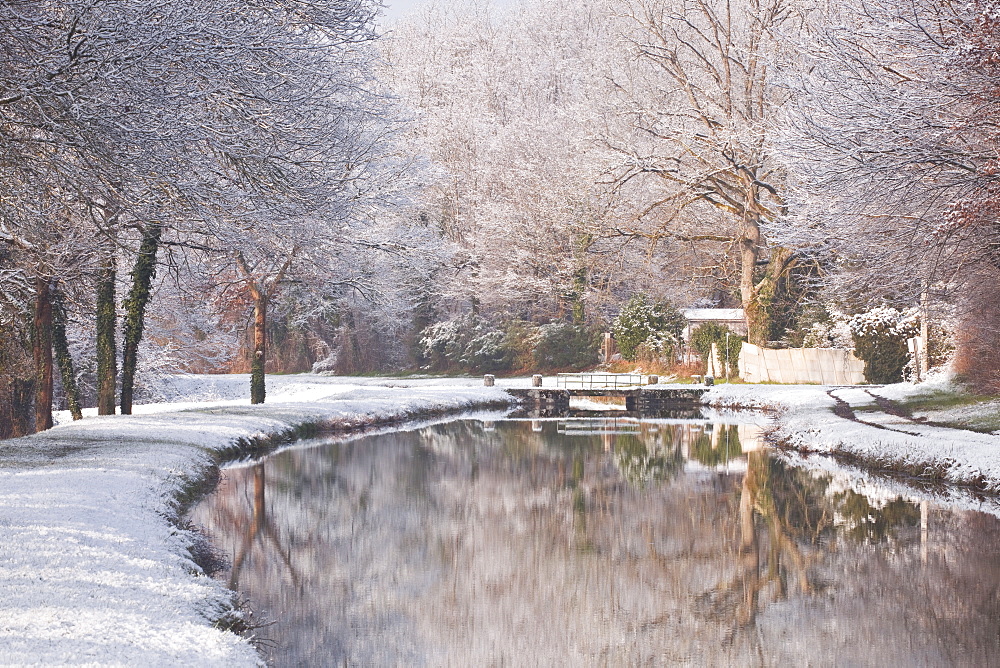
[873, 427]
[94, 564]
[949, 405]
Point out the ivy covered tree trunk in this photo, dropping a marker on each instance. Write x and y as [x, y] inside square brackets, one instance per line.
[61, 346]
[259, 355]
[760, 298]
[107, 362]
[579, 308]
[42, 350]
[17, 385]
[756, 317]
[261, 289]
[135, 310]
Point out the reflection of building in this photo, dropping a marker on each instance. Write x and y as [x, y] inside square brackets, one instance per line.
[751, 437]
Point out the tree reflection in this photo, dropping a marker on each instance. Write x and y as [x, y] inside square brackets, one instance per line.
[257, 527]
[788, 522]
[716, 446]
[781, 519]
[587, 544]
[642, 465]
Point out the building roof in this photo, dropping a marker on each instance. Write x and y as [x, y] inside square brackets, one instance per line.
[713, 313]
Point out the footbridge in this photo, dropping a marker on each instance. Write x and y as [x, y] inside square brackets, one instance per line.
[641, 392]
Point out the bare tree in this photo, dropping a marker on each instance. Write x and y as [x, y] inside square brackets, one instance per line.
[702, 98]
[893, 138]
[148, 124]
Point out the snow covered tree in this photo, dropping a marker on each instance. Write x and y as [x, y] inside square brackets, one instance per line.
[134, 124]
[892, 137]
[508, 106]
[702, 97]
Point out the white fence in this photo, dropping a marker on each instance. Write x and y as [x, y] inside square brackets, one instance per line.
[599, 381]
[825, 366]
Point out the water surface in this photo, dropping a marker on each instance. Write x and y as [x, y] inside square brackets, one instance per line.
[597, 542]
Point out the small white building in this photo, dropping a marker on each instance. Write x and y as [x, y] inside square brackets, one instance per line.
[733, 318]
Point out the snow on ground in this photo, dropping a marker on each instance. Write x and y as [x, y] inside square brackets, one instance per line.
[92, 567]
[982, 413]
[775, 397]
[808, 423]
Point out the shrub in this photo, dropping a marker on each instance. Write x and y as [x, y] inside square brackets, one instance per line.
[708, 333]
[880, 341]
[472, 344]
[640, 322]
[466, 342]
[442, 344]
[562, 345]
[487, 351]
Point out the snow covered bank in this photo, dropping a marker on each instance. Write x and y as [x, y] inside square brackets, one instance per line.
[849, 422]
[93, 566]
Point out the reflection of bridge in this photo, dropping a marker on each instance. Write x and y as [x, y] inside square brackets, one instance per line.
[598, 427]
[749, 436]
[637, 398]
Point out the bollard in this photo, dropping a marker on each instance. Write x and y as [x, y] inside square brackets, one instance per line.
[654, 380]
[488, 380]
[536, 380]
[709, 380]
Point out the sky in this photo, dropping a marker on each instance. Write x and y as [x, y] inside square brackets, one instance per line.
[394, 9]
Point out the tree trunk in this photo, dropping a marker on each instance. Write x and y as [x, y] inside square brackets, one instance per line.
[63, 358]
[22, 392]
[749, 255]
[107, 362]
[749, 550]
[135, 310]
[42, 349]
[259, 345]
[756, 296]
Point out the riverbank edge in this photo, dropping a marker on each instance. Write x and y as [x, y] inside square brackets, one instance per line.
[811, 420]
[260, 445]
[182, 487]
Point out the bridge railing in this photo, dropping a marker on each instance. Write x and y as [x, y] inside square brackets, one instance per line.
[599, 381]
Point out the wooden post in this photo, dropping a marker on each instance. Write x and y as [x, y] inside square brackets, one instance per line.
[923, 362]
[608, 347]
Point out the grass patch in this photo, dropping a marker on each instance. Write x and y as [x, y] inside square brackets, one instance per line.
[943, 400]
[955, 409]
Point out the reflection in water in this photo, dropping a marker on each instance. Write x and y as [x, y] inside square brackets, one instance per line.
[578, 542]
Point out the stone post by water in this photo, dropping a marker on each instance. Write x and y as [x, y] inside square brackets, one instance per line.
[489, 380]
[536, 380]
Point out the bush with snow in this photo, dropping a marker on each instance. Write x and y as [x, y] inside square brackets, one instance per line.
[657, 326]
[880, 340]
[470, 343]
[467, 342]
[560, 345]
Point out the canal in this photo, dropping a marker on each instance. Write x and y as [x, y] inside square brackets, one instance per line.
[602, 541]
